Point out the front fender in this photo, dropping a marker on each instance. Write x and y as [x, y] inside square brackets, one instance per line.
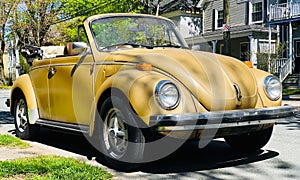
[23, 85]
[139, 87]
[263, 100]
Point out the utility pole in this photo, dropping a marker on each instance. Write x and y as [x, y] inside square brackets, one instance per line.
[226, 27]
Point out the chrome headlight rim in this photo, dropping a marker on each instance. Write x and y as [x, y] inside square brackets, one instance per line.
[267, 81]
[158, 89]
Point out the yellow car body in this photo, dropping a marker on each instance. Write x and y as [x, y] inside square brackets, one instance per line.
[67, 91]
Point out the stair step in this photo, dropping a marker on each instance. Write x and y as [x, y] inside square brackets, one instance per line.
[291, 82]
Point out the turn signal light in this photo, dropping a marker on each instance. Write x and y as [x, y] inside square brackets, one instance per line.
[249, 64]
[144, 67]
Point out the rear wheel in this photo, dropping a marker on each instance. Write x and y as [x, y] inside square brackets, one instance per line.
[250, 141]
[24, 130]
[120, 139]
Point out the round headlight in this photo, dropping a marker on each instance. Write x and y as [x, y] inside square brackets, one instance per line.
[273, 87]
[167, 95]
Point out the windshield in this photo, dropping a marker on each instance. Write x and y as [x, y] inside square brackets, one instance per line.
[135, 31]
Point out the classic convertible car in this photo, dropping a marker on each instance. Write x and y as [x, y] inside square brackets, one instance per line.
[131, 83]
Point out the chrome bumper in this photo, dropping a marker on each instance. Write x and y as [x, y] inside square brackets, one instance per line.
[222, 119]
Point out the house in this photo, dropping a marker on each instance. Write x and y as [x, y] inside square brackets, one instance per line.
[285, 15]
[185, 14]
[249, 34]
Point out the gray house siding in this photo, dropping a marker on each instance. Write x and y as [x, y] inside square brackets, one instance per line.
[238, 14]
[208, 14]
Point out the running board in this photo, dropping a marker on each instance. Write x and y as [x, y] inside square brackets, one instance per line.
[65, 126]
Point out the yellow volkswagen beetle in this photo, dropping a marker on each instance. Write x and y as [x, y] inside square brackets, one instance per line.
[132, 83]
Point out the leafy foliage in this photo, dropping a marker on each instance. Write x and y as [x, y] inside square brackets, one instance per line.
[24, 66]
[33, 19]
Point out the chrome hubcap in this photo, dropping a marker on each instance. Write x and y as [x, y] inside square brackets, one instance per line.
[21, 116]
[115, 134]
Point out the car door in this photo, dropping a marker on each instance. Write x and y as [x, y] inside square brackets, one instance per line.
[70, 88]
[39, 79]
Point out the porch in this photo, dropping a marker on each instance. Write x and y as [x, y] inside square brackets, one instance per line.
[284, 11]
[281, 67]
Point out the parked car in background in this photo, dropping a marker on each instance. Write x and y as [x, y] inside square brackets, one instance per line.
[131, 78]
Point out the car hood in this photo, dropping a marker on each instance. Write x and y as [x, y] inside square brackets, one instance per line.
[217, 82]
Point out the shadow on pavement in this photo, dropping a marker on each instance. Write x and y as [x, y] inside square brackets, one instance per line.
[294, 97]
[216, 155]
[6, 118]
[188, 158]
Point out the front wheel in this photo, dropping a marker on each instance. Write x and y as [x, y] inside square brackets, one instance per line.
[24, 130]
[120, 139]
[250, 141]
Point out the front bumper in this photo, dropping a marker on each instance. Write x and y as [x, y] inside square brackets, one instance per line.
[222, 119]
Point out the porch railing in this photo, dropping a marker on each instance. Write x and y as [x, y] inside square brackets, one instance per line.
[284, 11]
[276, 65]
[285, 70]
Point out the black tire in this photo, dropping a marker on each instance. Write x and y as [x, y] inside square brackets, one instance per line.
[118, 136]
[24, 130]
[252, 141]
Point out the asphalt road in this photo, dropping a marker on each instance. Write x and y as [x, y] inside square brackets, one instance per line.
[279, 159]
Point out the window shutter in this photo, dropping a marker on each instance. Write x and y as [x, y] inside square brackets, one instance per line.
[214, 15]
[265, 12]
[247, 14]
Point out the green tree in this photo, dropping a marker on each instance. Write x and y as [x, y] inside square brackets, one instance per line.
[33, 20]
[6, 9]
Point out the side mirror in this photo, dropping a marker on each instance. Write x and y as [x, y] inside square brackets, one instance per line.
[76, 48]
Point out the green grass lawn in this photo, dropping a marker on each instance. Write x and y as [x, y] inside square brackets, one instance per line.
[290, 91]
[11, 141]
[50, 167]
[4, 87]
[45, 167]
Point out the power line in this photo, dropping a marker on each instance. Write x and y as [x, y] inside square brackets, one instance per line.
[84, 12]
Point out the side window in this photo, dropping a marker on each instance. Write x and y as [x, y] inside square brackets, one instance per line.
[82, 35]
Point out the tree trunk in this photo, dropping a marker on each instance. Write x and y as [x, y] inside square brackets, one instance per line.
[2, 77]
[226, 33]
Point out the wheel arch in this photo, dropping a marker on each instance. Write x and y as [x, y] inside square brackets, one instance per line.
[106, 93]
[23, 86]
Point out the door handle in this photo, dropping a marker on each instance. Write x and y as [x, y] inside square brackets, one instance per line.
[51, 72]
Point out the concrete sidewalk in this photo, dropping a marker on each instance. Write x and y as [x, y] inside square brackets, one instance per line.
[293, 100]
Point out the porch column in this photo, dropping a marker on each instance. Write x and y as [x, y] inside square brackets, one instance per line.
[270, 50]
[253, 50]
[291, 46]
[214, 45]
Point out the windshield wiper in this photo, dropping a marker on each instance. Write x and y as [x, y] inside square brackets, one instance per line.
[119, 45]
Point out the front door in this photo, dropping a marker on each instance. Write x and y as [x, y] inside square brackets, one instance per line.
[70, 89]
[297, 56]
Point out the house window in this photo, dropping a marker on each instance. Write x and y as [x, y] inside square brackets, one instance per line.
[297, 48]
[257, 11]
[244, 51]
[220, 19]
[221, 48]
